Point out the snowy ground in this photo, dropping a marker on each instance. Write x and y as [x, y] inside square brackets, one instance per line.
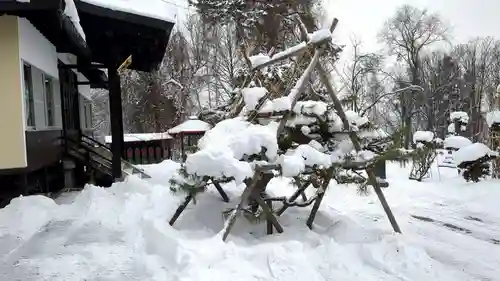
[451, 232]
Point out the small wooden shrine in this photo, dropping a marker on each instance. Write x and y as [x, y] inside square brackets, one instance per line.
[186, 136]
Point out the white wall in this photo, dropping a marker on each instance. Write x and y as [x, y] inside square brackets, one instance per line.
[36, 49]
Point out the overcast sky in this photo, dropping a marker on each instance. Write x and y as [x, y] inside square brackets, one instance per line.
[467, 18]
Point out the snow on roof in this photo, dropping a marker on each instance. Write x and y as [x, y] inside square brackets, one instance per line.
[157, 9]
[191, 125]
[472, 153]
[72, 13]
[423, 136]
[141, 137]
[456, 142]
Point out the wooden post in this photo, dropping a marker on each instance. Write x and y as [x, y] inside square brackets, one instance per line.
[180, 209]
[269, 225]
[221, 191]
[116, 118]
[319, 199]
[295, 195]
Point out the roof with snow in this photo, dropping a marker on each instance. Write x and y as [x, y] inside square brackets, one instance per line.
[101, 31]
[192, 125]
[116, 29]
[141, 137]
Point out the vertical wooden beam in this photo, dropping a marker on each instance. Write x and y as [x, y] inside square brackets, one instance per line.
[116, 118]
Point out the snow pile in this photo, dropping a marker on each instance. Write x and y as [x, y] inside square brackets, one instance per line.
[459, 116]
[423, 136]
[276, 105]
[473, 152]
[295, 162]
[223, 148]
[121, 233]
[317, 108]
[320, 35]
[451, 128]
[355, 119]
[252, 96]
[258, 60]
[493, 118]
[161, 173]
[157, 9]
[456, 142]
[192, 125]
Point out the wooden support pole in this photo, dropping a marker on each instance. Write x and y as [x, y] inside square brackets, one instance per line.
[244, 197]
[221, 191]
[319, 199]
[180, 209]
[269, 225]
[270, 217]
[116, 118]
[294, 197]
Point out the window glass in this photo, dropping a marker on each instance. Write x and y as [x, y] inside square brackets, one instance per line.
[49, 101]
[28, 96]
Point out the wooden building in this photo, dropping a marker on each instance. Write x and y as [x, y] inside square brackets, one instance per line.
[52, 53]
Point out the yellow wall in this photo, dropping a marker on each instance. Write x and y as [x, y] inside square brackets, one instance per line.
[12, 127]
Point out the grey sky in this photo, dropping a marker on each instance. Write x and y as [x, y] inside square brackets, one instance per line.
[468, 18]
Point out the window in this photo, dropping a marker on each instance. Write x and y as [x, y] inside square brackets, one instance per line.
[28, 96]
[49, 101]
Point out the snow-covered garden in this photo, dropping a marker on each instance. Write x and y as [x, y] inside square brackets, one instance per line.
[285, 183]
[451, 232]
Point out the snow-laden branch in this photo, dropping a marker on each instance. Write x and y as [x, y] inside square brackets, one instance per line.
[411, 87]
[175, 82]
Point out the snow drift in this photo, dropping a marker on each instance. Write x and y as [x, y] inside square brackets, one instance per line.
[121, 233]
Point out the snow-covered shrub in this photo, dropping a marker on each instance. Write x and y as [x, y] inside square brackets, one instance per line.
[493, 121]
[473, 160]
[424, 154]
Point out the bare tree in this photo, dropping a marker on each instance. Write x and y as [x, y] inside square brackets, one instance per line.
[356, 76]
[407, 34]
[475, 59]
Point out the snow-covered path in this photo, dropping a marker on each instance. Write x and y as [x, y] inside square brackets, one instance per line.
[451, 232]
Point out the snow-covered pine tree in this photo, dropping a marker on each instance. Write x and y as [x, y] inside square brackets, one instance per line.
[474, 160]
[290, 134]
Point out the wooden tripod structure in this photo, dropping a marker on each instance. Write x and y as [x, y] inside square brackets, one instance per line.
[263, 174]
